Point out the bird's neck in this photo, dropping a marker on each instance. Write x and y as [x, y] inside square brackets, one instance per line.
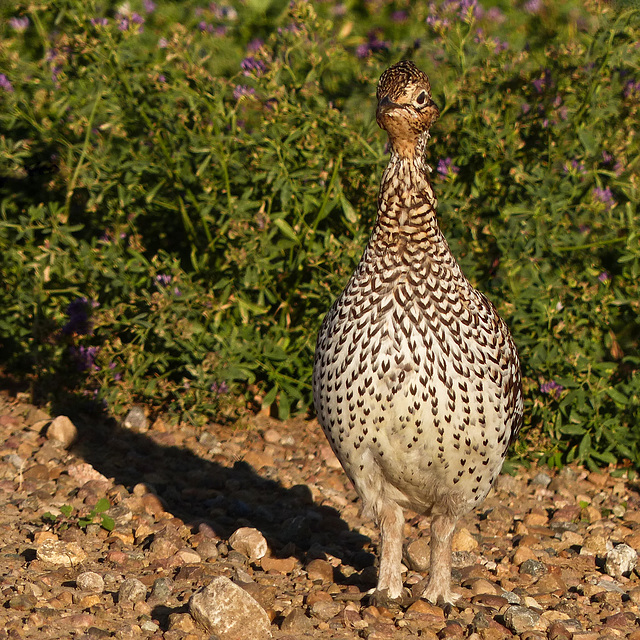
[406, 201]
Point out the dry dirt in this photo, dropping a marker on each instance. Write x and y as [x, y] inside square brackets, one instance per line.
[539, 559]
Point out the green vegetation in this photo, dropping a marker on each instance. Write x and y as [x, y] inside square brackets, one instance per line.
[65, 518]
[184, 190]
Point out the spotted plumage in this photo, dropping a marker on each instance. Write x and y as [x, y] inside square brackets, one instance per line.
[416, 377]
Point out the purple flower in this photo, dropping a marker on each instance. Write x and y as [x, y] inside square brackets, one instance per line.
[78, 311]
[541, 83]
[607, 158]
[162, 43]
[5, 83]
[163, 279]
[85, 357]
[399, 16]
[526, 107]
[447, 168]
[220, 388]
[494, 15]
[533, 6]
[242, 91]
[604, 277]
[162, 78]
[605, 196]
[99, 22]
[575, 166]
[136, 18]
[632, 89]
[149, 6]
[205, 26]
[552, 388]
[252, 66]
[373, 45]
[19, 24]
[255, 45]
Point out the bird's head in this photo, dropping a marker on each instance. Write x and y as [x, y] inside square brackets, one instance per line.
[405, 108]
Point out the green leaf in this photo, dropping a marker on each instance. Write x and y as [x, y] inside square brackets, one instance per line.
[107, 523]
[66, 510]
[102, 505]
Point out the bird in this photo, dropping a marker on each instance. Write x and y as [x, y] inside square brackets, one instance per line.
[416, 378]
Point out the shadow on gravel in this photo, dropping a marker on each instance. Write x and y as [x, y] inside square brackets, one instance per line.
[201, 491]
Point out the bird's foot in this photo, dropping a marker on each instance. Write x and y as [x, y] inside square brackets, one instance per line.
[443, 598]
[381, 598]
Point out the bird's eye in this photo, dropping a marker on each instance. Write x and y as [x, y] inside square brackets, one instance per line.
[422, 98]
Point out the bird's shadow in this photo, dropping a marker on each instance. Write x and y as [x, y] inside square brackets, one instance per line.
[197, 490]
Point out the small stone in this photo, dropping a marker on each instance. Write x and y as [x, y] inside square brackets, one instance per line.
[67, 554]
[533, 567]
[182, 622]
[90, 581]
[520, 619]
[320, 570]
[62, 430]
[463, 541]
[208, 550]
[620, 561]
[596, 544]
[149, 626]
[324, 610]
[136, 420]
[558, 631]
[37, 473]
[543, 479]
[228, 611]
[418, 555]
[162, 588]
[481, 586]
[23, 602]
[189, 556]
[132, 590]
[328, 457]
[272, 436]
[549, 584]
[121, 514]
[523, 554]
[279, 565]
[296, 622]
[250, 542]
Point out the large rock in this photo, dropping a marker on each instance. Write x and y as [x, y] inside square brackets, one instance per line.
[620, 561]
[67, 554]
[62, 430]
[229, 612]
[250, 542]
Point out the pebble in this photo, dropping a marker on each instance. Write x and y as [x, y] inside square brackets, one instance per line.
[520, 619]
[278, 565]
[162, 588]
[68, 554]
[90, 581]
[320, 570]
[136, 420]
[533, 567]
[62, 430]
[620, 561]
[250, 542]
[23, 602]
[418, 554]
[296, 622]
[132, 590]
[463, 541]
[229, 612]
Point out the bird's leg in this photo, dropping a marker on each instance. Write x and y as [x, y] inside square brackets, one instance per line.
[389, 589]
[438, 588]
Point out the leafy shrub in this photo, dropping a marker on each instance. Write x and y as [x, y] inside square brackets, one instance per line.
[185, 190]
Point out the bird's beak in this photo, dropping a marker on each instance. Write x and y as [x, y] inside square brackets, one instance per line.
[385, 105]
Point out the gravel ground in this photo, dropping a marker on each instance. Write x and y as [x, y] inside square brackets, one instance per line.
[546, 556]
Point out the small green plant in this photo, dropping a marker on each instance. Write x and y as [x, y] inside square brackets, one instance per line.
[65, 518]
